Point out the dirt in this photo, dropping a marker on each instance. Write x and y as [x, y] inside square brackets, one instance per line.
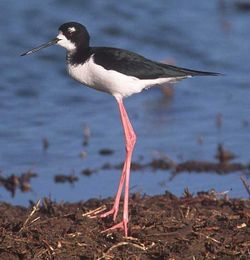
[205, 226]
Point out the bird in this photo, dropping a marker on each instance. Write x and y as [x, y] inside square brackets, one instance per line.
[118, 72]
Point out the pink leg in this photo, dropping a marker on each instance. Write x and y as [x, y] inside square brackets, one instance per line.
[115, 207]
[130, 139]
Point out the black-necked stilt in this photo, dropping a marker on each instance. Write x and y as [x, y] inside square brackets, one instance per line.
[120, 73]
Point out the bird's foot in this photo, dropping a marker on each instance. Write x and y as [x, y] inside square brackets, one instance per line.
[113, 211]
[122, 225]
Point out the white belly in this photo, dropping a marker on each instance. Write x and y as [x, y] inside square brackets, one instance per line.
[110, 81]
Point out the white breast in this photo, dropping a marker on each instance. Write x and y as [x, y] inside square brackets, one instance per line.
[110, 81]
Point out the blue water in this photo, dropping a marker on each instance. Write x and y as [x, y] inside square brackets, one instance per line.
[38, 100]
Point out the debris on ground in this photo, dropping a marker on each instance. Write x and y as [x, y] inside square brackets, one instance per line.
[205, 226]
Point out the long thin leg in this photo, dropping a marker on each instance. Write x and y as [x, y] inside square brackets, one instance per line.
[130, 139]
[115, 207]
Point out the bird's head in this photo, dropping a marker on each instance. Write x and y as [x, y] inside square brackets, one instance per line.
[72, 35]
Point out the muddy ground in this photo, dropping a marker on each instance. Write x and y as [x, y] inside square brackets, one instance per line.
[205, 226]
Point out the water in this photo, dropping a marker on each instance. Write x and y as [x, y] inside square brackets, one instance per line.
[38, 99]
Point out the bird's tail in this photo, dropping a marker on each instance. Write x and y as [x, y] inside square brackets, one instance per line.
[188, 72]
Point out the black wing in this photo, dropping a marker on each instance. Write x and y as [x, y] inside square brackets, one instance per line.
[135, 65]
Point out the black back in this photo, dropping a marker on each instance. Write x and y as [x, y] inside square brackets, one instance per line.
[132, 64]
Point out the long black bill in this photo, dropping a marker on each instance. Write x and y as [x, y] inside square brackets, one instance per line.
[45, 45]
